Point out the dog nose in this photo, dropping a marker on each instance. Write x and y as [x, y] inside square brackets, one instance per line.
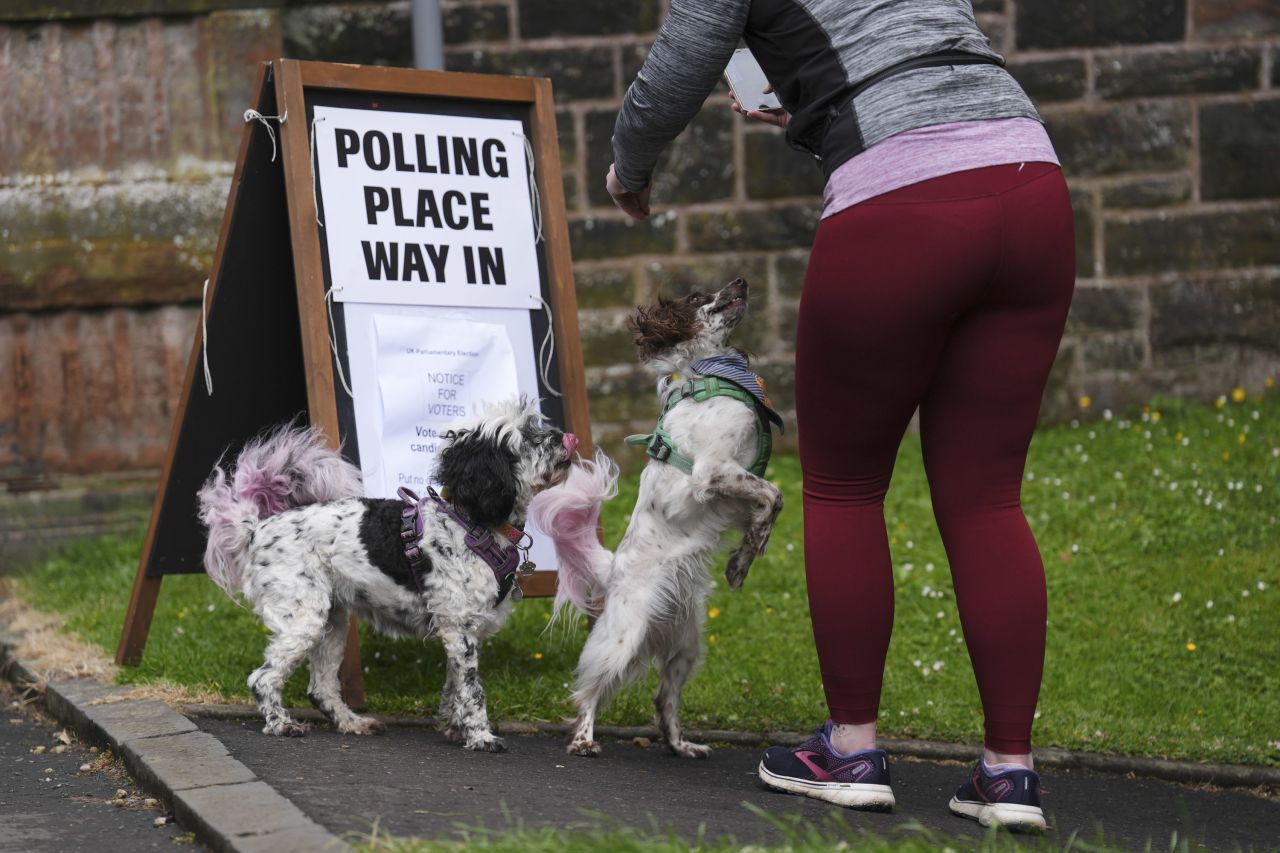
[570, 444]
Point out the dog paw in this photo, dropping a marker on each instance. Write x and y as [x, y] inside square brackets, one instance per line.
[486, 743]
[362, 726]
[735, 571]
[584, 748]
[762, 539]
[286, 728]
[688, 749]
[453, 734]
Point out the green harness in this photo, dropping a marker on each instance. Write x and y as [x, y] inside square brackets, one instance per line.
[658, 444]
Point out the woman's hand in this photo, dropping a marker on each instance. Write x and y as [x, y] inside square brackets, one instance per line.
[633, 204]
[777, 118]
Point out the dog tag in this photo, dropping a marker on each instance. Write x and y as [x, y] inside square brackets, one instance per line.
[527, 568]
[517, 594]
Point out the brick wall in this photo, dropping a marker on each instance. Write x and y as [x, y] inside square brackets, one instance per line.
[1166, 115]
[116, 139]
[116, 136]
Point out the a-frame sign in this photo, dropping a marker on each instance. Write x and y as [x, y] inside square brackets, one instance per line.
[275, 350]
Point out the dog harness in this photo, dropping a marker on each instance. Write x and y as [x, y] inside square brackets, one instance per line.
[505, 562]
[722, 376]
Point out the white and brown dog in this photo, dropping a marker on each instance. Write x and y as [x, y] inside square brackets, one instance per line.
[649, 598]
[289, 532]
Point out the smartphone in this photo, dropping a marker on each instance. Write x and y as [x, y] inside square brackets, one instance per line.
[746, 79]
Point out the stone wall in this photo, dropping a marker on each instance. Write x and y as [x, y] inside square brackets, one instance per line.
[116, 135]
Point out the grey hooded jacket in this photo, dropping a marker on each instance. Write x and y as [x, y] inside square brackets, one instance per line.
[815, 52]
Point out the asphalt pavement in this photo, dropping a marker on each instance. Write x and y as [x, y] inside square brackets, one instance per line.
[412, 782]
[47, 803]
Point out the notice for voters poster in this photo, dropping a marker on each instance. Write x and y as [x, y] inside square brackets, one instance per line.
[418, 371]
[432, 374]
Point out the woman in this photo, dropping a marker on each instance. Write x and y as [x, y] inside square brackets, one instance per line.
[939, 279]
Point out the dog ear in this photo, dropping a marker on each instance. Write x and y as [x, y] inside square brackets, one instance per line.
[480, 476]
[659, 327]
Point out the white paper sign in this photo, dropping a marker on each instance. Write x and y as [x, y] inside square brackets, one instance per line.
[416, 371]
[426, 209]
[431, 375]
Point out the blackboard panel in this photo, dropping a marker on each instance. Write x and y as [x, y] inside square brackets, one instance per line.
[552, 405]
[255, 353]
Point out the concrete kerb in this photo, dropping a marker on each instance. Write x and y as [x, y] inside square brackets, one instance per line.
[209, 792]
[1186, 772]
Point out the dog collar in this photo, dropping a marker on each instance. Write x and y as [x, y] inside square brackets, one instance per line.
[506, 563]
[737, 370]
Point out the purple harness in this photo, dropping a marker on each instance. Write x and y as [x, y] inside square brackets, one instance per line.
[482, 542]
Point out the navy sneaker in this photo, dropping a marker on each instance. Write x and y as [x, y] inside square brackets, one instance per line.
[815, 769]
[1008, 798]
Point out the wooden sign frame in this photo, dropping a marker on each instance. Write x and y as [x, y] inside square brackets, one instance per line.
[259, 189]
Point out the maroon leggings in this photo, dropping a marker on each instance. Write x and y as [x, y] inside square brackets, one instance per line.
[949, 295]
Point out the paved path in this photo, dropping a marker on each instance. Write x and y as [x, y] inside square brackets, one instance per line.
[47, 804]
[415, 783]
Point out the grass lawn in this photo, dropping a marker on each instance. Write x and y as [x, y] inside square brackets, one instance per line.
[797, 836]
[1162, 550]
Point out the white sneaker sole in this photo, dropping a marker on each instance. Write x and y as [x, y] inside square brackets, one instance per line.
[850, 794]
[1009, 815]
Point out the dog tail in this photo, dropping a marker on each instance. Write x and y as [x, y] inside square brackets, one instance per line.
[288, 467]
[570, 515]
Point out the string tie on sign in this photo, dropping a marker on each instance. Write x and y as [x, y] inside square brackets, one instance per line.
[333, 342]
[254, 115]
[314, 200]
[534, 198]
[204, 336]
[547, 350]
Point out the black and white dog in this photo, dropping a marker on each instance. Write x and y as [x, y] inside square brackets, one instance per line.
[650, 596]
[288, 531]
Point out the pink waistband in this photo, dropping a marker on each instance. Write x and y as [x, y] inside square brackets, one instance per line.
[931, 152]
